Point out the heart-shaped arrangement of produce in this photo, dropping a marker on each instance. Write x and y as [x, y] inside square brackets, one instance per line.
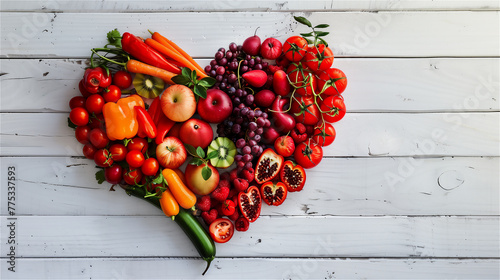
[247, 125]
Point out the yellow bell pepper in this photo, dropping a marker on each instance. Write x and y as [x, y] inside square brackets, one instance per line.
[120, 117]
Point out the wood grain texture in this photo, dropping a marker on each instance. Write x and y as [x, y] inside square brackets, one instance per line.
[244, 268]
[356, 34]
[387, 236]
[338, 186]
[375, 85]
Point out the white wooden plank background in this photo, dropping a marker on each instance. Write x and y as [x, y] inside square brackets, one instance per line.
[409, 189]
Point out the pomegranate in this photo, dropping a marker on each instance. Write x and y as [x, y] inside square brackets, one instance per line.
[268, 166]
[273, 193]
[293, 176]
[250, 203]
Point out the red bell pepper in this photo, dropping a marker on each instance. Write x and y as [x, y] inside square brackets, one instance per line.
[96, 79]
[138, 49]
[147, 128]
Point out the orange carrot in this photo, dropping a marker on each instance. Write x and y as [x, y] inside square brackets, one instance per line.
[136, 66]
[174, 55]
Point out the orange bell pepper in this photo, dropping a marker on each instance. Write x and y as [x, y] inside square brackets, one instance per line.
[120, 117]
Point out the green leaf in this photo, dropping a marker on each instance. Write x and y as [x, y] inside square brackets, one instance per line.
[207, 82]
[99, 176]
[194, 75]
[71, 124]
[309, 41]
[196, 161]
[190, 149]
[206, 172]
[186, 72]
[181, 80]
[158, 180]
[212, 154]
[322, 26]
[306, 34]
[200, 152]
[322, 33]
[200, 91]
[321, 41]
[303, 20]
[115, 38]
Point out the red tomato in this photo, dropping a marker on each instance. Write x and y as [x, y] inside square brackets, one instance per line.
[97, 121]
[82, 134]
[324, 135]
[333, 108]
[295, 48]
[221, 230]
[228, 207]
[94, 104]
[138, 144]
[133, 177]
[308, 154]
[103, 158]
[98, 138]
[118, 152]
[122, 79]
[331, 81]
[112, 94]
[89, 151]
[79, 116]
[303, 79]
[135, 159]
[150, 167]
[77, 101]
[305, 110]
[319, 57]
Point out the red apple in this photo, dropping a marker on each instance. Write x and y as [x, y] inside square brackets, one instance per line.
[216, 107]
[196, 133]
[197, 183]
[284, 145]
[178, 103]
[271, 48]
[171, 153]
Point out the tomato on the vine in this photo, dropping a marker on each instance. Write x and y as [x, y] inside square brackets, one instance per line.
[308, 154]
[324, 134]
[118, 152]
[150, 167]
[295, 48]
[135, 159]
[305, 110]
[112, 94]
[333, 108]
[122, 79]
[79, 116]
[97, 121]
[331, 81]
[103, 158]
[94, 104]
[303, 79]
[77, 101]
[319, 57]
[138, 144]
[133, 177]
[221, 230]
[82, 134]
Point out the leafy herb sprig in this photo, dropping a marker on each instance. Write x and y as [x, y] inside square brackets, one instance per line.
[200, 157]
[189, 79]
[315, 34]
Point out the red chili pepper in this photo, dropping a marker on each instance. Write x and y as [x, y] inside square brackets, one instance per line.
[138, 49]
[155, 110]
[164, 125]
[147, 128]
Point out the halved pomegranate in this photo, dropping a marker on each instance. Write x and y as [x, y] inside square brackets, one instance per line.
[273, 193]
[293, 176]
[268, 166]
[250, 203]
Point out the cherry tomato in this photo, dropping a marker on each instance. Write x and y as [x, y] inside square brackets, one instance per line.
[118, 152]
[122, 79]
[82, 134]
[138, 144]
[221, 230]
[133, 177]
[113, 174]
[112, 94]
[83, 90]
[94, 104]
[77, 101]
[150, 167]
[228, 207]
[79, 116]
[333, 108]
[89, 151]
[295, 48]
[331, 81]
[308, 154]
[135, 159]
[103, 158]
[319, 57]
[98, 138]
[324, 135]
[97, 121]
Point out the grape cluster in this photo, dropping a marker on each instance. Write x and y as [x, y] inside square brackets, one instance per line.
[245, 128]
[225, 68]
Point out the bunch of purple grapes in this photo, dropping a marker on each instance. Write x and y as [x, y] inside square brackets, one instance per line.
[245, 127]
[225, 68]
